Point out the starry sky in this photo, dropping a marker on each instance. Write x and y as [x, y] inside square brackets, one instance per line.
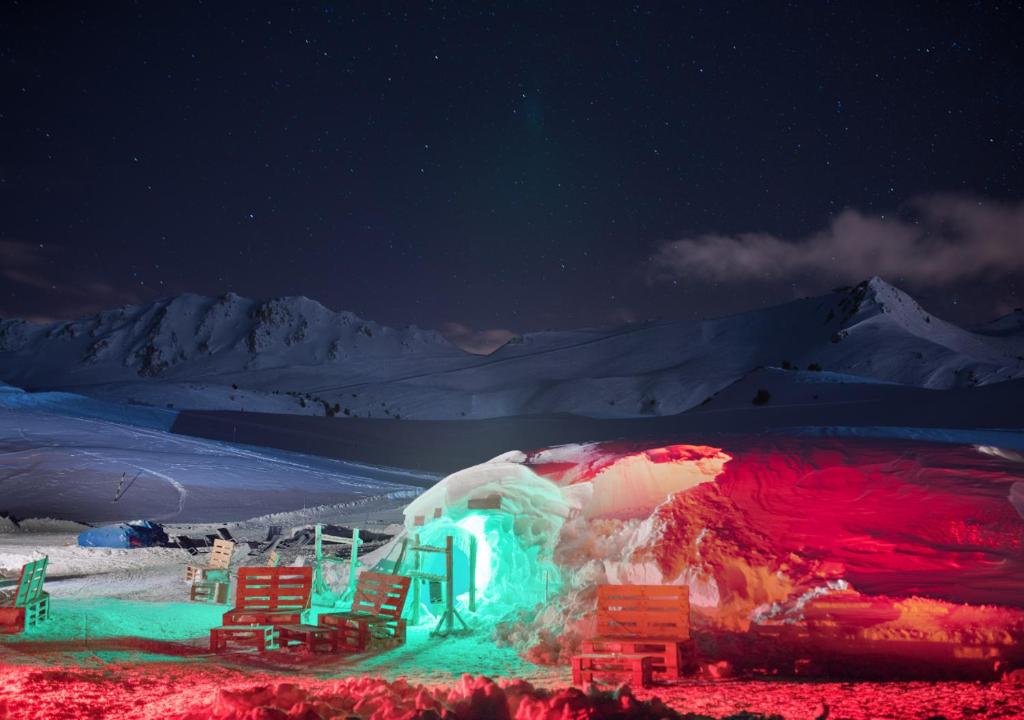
[497, 168]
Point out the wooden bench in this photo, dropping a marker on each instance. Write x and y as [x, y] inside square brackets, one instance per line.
[270, 596]
[30, 606]
[644, 621]
[637, 668]
[218, 566]
[376, 612]
[259, 637]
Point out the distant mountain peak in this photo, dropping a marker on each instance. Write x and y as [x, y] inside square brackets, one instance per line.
[875, 296]
[292, 354]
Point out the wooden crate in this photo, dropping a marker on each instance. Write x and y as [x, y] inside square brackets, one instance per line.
[258, 637]
[310, 638]
[638, 669]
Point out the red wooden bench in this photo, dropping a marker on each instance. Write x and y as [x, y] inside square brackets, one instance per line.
[30, 605]
[376, 612]
[270, 596]
[642, 621]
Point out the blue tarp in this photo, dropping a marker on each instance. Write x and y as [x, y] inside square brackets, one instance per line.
[141, 533]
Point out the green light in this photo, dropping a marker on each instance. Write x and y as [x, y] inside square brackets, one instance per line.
[474, 525]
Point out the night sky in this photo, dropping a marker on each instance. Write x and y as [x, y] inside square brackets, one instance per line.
[512, 167]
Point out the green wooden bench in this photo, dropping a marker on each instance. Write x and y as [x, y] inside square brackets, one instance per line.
[30, 605]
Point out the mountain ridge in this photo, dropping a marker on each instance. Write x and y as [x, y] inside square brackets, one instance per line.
[294, 355]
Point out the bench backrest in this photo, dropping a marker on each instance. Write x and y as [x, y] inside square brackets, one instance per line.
[273, 588]
[381, 594]
[643, 611]
[30, 586]
[220, 555]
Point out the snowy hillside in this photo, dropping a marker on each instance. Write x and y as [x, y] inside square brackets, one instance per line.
[1008, 325]
[57, 461]
[292, 355]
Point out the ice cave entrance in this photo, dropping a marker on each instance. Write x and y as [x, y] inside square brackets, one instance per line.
[514, 517]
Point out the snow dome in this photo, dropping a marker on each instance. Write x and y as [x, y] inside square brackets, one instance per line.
[824, 540]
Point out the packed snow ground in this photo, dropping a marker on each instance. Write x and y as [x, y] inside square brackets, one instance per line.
[123, 641]
[64, 457]
[113, 605]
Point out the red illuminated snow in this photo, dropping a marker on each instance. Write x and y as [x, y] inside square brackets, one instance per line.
[796, 550]
[192, 692]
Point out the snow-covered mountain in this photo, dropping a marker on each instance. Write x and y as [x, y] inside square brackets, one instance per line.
[1009, 324]
[293, 355]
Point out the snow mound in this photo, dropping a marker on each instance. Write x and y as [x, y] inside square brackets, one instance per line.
[833, 541]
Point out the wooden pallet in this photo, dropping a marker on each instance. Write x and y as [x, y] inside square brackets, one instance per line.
[310, 638]
[637, 668]
[270, 596]
[258, 637]
[376, 612]
[209, 591]
[645, 620]
[670, 659]
[639, 611]
[218, 565]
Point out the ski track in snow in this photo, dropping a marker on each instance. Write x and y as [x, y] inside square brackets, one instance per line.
[182, 491]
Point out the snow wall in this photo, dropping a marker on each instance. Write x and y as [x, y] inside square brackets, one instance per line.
[853, 544]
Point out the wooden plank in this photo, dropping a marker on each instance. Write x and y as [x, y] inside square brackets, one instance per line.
[220, 555]
[491, 502]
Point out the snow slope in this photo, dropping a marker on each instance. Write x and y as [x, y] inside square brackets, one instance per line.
[58, 465]
[292, 355]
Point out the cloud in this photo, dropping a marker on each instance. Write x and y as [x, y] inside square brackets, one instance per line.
[939, 240]
[44, 282]
[478, 342]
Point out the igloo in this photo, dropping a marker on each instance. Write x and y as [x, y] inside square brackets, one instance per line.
[795, 542]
